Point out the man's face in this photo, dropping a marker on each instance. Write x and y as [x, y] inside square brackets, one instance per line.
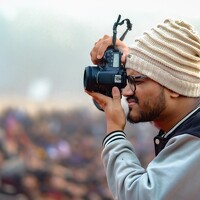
[148, 102]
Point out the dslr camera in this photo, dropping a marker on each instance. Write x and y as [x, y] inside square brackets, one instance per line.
[110, 72]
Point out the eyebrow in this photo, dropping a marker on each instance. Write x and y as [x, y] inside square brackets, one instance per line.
[137, 76]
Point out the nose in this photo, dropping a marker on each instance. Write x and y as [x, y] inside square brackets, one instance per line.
[127, 91]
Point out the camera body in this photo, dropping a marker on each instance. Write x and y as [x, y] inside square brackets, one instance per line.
[102, 78]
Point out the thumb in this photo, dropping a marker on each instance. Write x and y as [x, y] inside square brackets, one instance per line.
[116, 96]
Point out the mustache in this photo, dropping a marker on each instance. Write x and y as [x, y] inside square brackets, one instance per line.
[133, 98]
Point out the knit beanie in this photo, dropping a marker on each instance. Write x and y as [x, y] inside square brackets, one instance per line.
[170, 55]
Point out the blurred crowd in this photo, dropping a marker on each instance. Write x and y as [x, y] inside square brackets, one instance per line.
[56, 155]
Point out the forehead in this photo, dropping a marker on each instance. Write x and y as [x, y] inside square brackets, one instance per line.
[132, 72]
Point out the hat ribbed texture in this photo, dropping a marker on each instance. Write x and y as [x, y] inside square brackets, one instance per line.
[170, 55]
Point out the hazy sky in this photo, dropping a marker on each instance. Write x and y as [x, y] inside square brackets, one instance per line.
[86, 10]
[45, 44]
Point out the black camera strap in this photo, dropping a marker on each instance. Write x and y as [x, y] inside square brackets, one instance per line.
[129, 27]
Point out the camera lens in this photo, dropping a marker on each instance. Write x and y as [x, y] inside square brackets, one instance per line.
[90, 82]
[86, 78]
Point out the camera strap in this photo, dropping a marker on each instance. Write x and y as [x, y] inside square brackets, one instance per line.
[129, 27]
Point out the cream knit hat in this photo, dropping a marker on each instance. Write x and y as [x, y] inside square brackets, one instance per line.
[170, 55]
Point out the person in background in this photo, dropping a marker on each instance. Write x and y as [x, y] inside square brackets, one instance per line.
[163, 87]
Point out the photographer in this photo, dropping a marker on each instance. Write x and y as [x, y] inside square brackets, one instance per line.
[163, 87]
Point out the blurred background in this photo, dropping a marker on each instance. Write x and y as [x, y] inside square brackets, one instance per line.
[50, 131]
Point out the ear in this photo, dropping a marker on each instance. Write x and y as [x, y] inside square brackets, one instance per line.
[173, 94]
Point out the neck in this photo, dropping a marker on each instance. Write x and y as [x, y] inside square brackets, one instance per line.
[176, 112]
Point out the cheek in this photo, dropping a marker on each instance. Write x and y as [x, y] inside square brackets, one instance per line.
[144, 92]
[147, 94]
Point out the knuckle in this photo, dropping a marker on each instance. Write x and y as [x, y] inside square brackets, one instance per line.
[106, 36]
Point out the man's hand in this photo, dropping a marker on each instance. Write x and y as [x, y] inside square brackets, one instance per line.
[115, 115]
[102, 44]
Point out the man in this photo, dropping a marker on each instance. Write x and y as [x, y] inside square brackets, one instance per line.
[163, 74]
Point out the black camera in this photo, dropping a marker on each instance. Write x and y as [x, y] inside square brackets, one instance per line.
[110, 72]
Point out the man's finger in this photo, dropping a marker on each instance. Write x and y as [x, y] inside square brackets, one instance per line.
[116, 96]
[98, 97]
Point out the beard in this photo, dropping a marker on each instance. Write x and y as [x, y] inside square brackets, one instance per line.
[149, 110]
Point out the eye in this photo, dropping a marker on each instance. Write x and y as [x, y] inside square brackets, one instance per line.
[138, 81]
